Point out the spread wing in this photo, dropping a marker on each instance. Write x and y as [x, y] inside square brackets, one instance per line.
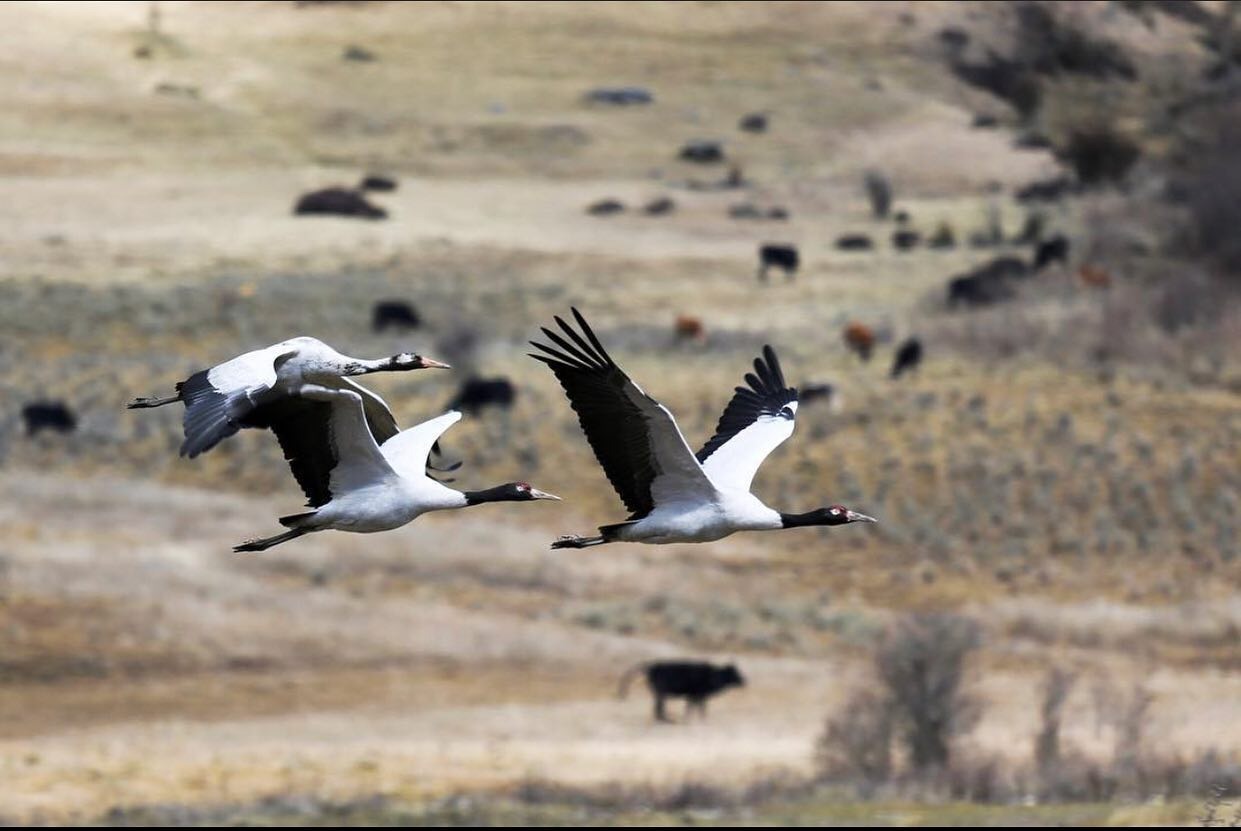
[327, 443]
[635, 438]
[218, 401]
[757, 419]
[407, 451]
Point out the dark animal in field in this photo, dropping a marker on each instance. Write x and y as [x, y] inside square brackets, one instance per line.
[1050, 251]
[1094, 276]
[879, 192]
[702, 151]
[901, 217]
[358, 54]
[904, 239]
[807, 393]
[943, 238]
[689, 328]
[855, 242]
[778, 213]
[908, 357]
[48, 415]
[695, 681]
[338, 202]
[606, 207]
[619, 96]
[396, 314]
[754, 123]
[860, 339]
[1046, 190]
[781, 256]
[477, 393]
[659, 207]
[990, 283]
[375, 182]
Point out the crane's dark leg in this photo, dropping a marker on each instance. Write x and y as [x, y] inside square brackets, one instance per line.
[577, 542]
[267, 542]
[143, 403]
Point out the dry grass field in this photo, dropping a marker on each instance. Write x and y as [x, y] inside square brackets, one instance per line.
[458, 670]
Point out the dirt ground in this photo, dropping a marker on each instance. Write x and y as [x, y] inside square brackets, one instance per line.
[147, 231]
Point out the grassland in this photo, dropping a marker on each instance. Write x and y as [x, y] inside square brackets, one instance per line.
[1085, 519]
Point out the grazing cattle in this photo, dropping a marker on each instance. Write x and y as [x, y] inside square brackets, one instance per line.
[854, 242]
[1052, 250]
[860, 339]
[477, 393]
[1094, 276]
[754, 123]
[784, 257]
[375, 182]
[908, 357]
[48, 415]
[338, 202]
[944, 237]
[606, 207]
[904, 239]
[659, 207]
[702, 151]
[991, 282]
[806, 393]
[689, 328]
[619, 96]
[358, 54]
[396, 314]
[695, 681]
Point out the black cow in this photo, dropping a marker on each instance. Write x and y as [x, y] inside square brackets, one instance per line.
[695, 681]
[702, 151]
[660, 206]
[48, 415]
[754, 123]
[781, 256]
[990, 283]
[395, 313]
[338, 202]
[1052, 250]
[854, 242]
[606, 207]
[904, 240]
[477, 393]
[908, 357]
[377, 183]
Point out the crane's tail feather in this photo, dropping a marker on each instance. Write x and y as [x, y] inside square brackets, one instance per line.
[267, 542]
[577, 542]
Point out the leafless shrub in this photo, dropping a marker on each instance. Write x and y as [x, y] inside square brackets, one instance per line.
[857, 742]
[1056, 688]
[879, 192]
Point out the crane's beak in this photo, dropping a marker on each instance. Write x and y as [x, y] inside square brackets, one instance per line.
[431, 363]
[854, 516]
[538, 494]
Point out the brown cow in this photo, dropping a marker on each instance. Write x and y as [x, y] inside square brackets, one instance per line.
[689, 328]
[1094, 276]
[860, 339]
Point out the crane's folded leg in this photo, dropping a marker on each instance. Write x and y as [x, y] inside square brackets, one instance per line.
[571, 541]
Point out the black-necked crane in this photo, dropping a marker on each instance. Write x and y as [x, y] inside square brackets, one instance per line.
[353, 482]
[675, 495]
[238, 393]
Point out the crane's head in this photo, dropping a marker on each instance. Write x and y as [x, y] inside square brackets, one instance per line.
[408, 360]
[831, 515]
[840, 515]
[511, 492]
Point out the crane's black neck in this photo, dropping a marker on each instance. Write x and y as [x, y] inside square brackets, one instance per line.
[500, 493]
[819, 516]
